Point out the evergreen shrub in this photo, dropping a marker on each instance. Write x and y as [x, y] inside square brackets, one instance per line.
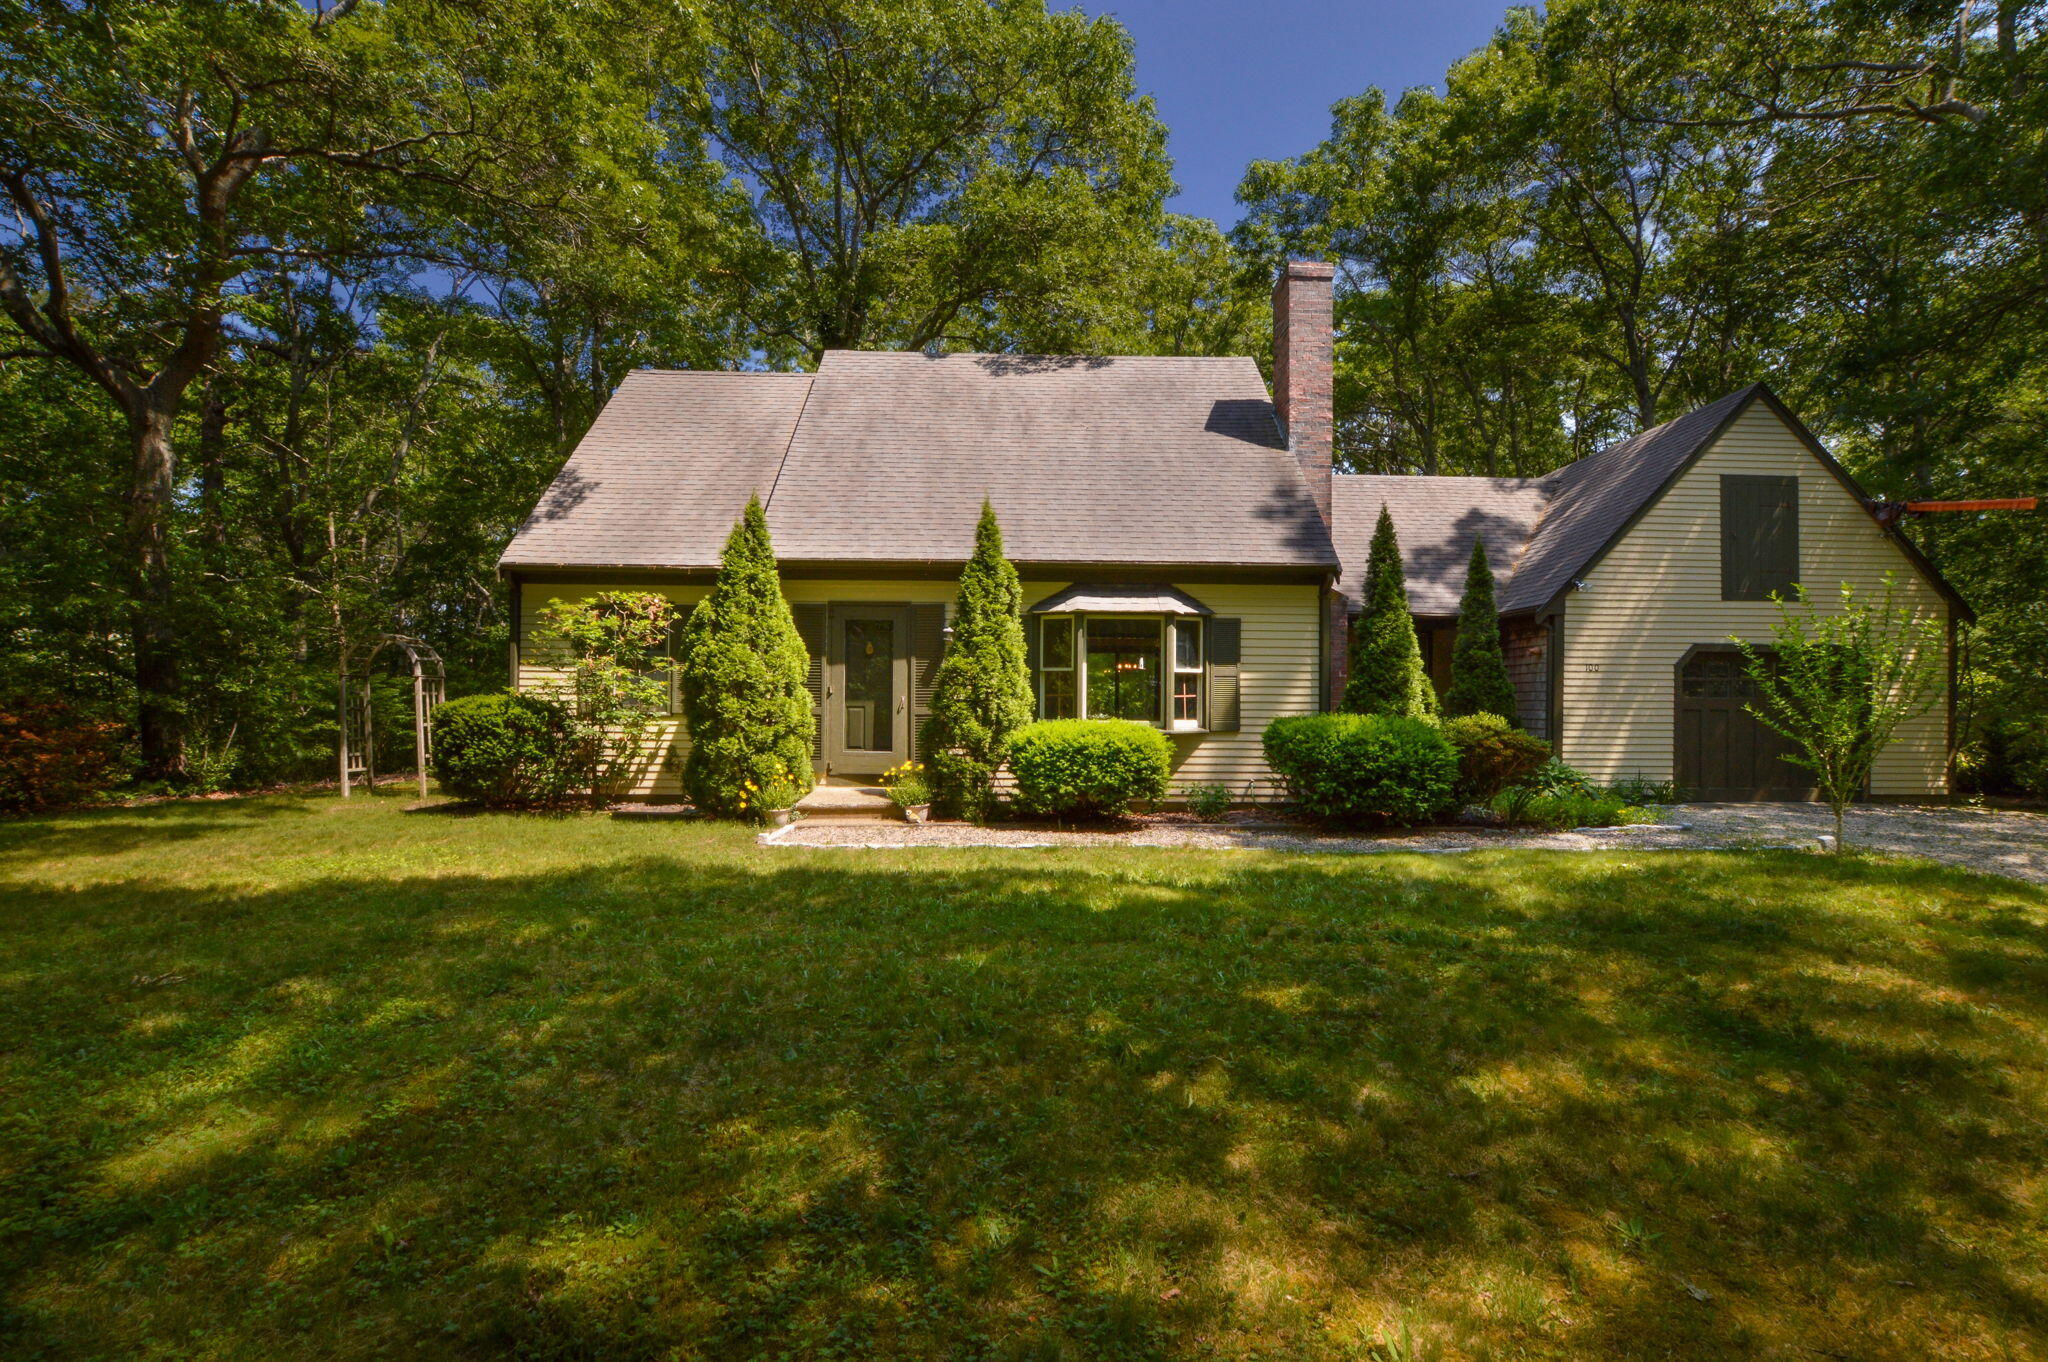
[1371, 769]
[1089, 768]
[745, 671]
[507, 750]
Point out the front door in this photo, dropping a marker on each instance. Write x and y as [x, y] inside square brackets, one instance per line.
[867, 689]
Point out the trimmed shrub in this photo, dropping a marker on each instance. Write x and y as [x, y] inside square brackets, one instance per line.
[1386, 675]
[982, 693]
[1089, 768]
[507, 750]
[1376, 769]
[1492, 755]
[1479, 668]
[745, 693]
[51, 755]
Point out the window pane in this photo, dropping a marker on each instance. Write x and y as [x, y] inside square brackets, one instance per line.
[1187, 696]
[1187, 645]
[1123, 668]
[870, 696]
[1059, 694]
[1057, 643]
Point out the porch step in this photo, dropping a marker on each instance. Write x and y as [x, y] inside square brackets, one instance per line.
[849, 803]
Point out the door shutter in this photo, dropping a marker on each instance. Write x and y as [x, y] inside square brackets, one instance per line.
[927, 644]
[810, 626]
[1225, 640]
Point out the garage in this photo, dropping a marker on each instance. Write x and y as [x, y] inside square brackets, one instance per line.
[1724, 751]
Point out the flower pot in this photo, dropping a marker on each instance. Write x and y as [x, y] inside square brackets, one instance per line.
[781, 818]
[916, 813]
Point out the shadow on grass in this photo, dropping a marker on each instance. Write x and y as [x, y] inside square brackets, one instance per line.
[1034, 1107]
[114, 831]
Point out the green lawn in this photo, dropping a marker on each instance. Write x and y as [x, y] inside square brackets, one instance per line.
[288, 1077]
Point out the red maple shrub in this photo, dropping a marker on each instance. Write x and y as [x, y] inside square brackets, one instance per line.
[51, 755]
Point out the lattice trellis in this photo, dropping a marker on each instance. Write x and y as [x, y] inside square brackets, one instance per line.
[358, 726]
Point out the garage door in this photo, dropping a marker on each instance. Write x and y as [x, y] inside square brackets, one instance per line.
[1724, 751]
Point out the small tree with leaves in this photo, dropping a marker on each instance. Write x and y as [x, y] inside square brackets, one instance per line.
[745, 694]
[982, 693]
[616, 684]
[1838, 685]
[1387, 676]
[1479, 669]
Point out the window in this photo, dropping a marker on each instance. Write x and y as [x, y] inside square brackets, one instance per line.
[1123, 667]
[1759, 536]
[1187, 673]
[1056, 668]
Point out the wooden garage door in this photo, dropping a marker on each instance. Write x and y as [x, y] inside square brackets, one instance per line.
[1724, 751]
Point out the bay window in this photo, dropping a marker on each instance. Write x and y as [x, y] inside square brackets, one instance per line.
[1111, 666]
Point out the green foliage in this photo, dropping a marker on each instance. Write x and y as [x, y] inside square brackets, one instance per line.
[1642, 790]
[926, 166]
[1479, 669]
[1555, 777]
[1492, 755]
[1525, 806]
[1838, 684]
[617, 682]
[1209, 801]
[508, 751]
[1371, 769]
[1089, 768]
[982, 693]
[744, 671]
[1386, 674]
[51, 755]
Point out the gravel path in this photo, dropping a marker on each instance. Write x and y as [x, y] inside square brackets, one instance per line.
[2001, 841]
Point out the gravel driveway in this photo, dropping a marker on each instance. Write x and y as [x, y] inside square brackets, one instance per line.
[2001, 841]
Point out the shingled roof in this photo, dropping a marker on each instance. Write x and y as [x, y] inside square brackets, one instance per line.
[1541, 533]
[885, 457]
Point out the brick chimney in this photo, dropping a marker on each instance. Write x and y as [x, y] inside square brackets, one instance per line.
[1302, 363]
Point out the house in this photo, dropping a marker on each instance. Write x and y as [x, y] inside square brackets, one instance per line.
[1190, 559]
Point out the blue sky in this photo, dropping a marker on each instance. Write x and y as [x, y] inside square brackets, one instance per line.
[1238, 80]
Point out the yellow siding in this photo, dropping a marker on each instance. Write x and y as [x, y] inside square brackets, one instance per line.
[1277, 672]
[1658, 592]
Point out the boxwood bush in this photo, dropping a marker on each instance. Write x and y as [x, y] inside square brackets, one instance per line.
[1492, 755]
[507, 750]
[1373, 769]
[1088, 768]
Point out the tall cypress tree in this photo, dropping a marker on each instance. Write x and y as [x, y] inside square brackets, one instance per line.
[1387, 675]
[745, 697]
[982, 693]
[1479, 669]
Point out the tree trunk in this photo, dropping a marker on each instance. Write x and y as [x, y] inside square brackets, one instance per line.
[158, 721]
[213, 429]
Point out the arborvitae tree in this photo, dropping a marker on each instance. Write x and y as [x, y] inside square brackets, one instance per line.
[1387, 676]
[982, 693]
[1479, 670]
[745, 697]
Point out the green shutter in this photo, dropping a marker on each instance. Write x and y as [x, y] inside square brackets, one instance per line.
[1224, 641]
[1032, 625]
[810, 626]
[927, 646]
[1759, 535]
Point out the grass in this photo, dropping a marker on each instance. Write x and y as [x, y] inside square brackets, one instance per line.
[288, 1077]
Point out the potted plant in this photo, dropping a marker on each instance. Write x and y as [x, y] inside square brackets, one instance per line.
[910, 790]
[773, 801]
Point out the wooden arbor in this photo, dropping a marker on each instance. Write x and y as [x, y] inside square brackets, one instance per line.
[358, 731]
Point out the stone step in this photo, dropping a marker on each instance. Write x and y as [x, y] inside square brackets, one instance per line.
[849, 803]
